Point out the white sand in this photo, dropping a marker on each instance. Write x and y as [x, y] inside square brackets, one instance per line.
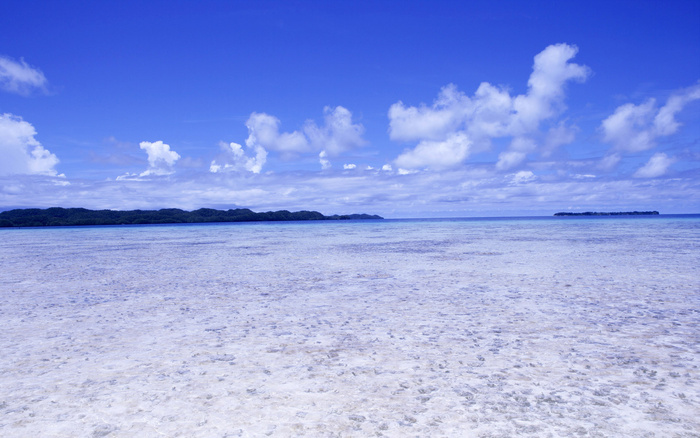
[392, 329]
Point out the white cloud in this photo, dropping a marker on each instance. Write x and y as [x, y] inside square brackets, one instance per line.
[20, 77]
[160, 158]
[349, 166]
[325, 164]
[510, 159]
[629, 127]
[665, 122]
[491, 113]
[437, 154]
[263, 131]
[429, 123]
[523, 176]
[657, 165]
[234, 158]
[337, 135]
[636, 128]
[550, 72]
[21, 153]
[516, 153]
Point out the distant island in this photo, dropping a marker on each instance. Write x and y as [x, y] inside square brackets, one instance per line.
[613, 213]
[57, 216]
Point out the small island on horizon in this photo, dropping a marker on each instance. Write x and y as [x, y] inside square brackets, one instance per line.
[57, 216]
[613, 213]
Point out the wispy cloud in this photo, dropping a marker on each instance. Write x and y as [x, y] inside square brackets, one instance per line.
[657, 165]
[20, 78]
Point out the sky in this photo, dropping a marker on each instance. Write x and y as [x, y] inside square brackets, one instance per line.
[398, 108]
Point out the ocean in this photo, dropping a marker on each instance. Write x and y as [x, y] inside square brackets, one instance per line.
[498, 327]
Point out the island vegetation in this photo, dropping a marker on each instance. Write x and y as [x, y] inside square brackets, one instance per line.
[57, 216]
[613, 213]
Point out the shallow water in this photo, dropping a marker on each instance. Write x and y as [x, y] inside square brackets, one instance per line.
[550, 327]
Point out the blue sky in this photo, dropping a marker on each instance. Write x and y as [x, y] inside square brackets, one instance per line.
[404, 109]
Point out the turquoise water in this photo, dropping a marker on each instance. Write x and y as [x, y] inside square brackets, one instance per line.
[472, 327]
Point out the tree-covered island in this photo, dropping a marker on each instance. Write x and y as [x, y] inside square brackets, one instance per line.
[57, 216]
[613, 213]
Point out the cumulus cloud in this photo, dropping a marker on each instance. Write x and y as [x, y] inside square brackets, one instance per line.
[401, 171]
[657, 165]
[263, 131]
[630, 127]
[544, 99]
[20, 78]
[338, 134]
[491, 113]
[349, 166]
[437, 153]
[430, 123]
[322, 158]
[636, 128]
[523, 176]
[160, 158]
[21, 152]
[234, 158]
